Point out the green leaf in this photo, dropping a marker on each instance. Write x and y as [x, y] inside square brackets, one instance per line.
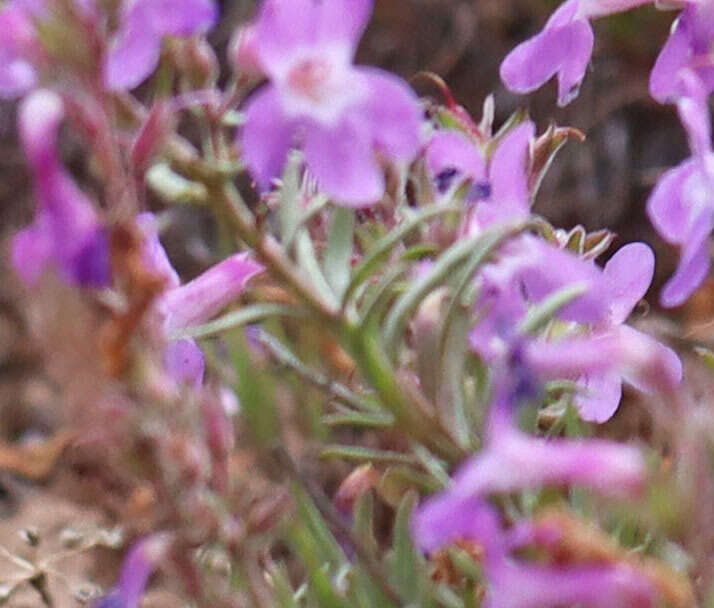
[358, 419]
[327, 548]
[238, 318]
[380, 251]
[289, 209]
[252, 388]
[539, 316]
[360, 454]
[307, 259]
[405, 561]
[364, 522]
[479, 248]
[338, 255]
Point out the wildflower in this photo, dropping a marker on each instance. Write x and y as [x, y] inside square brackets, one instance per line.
[644, 363]
[688, 47]
[563, 49]
[513, 461]
[140, 563]
[680, 206]
[182, 306]
[499, 187]
[66, 232]
[135, 50]
[342, 116]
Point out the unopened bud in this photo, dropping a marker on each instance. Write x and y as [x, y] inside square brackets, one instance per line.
[242, 55]
[152, 135]
[360, 480]
[197, 61]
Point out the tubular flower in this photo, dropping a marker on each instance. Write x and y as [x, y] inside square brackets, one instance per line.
[688, 47]
[66, 232]
[680, 207]
[563, 49]
[135, 50]
[342, 116]
[182, 306]
[139, 564]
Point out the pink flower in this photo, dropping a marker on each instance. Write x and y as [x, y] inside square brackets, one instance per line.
[66, 232]
[136, 47]
[341, 116]
[182, 306]
[563, 49]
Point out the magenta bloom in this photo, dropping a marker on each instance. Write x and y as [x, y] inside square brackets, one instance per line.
[139, 564]
[182, 306]
[17, 74]
[516, 585]
[513, 461]
[688, 46]
[680, 206]
[499, 188]
[66, 232]
[563, 49]
[135, 50]
[342, 116]
[642, 361]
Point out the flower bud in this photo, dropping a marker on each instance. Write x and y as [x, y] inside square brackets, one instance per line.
[242, 54]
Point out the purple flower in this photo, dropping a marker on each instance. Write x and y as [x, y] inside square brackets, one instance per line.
[182, 306]
[528, 270]
[17, 74]
[680, 207]
[66, 232]
[688, 46]
[563, 49]
[643, 362]
[499, 188]
[134, 52]
[139, 564]
[517, 585]
[342, 116]
[513, 461]
[443, 519]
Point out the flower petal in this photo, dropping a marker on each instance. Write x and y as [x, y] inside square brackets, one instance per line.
[184, 362]
[675, 54]
[627, 277]
[445, 518]
[600, 396]
[693, 265]
[650, 366]
[132, 57]
[449, 150]
[210, 292]
[509, 170]
[266, 136]
[393, 113]
[179, 17]
[343, 161]
[667, 207]
[344, 21]
[283, 26]
[31, 252]
[563, 49]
